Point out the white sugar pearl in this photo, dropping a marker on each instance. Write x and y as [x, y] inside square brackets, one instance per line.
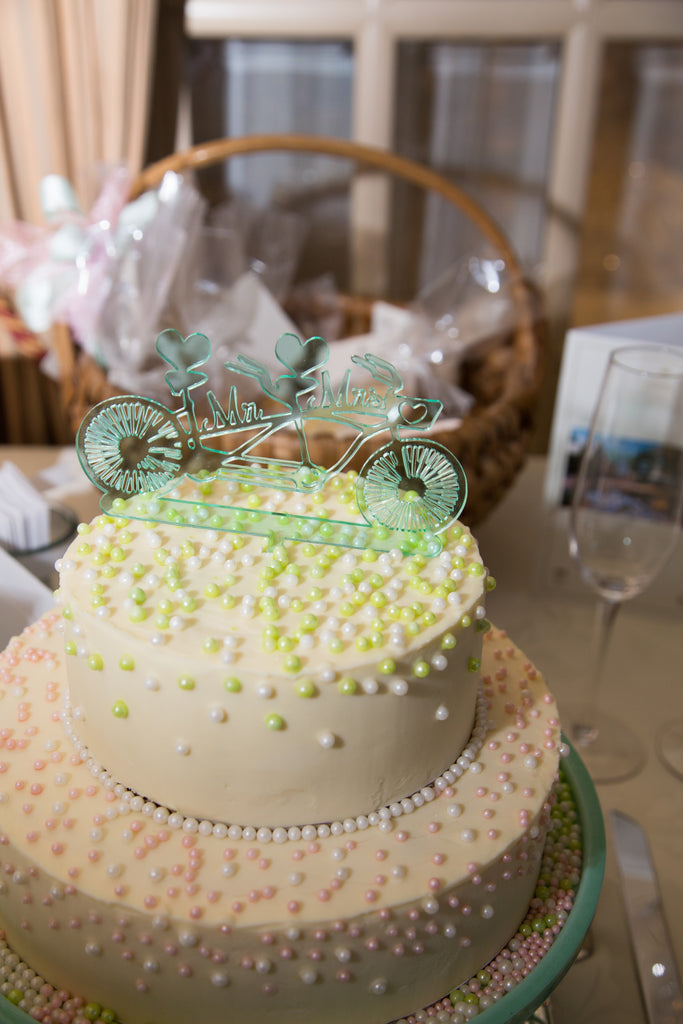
[370, 686]
[182, 748]
[326, 739]
[265, 691]
[398, 687]
[468, 835]
[455, 810]
[217, 714]
[441, 713]
[439, 662]
[530, 761]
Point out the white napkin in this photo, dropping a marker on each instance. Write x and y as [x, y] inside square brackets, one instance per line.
[23, 598]
[24, 512]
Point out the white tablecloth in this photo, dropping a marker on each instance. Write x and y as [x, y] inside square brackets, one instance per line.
[551, 618]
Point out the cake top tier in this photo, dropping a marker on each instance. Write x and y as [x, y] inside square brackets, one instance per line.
[270, 685]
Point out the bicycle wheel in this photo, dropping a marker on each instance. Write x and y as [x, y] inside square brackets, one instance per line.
[414, 486]
[129, 445]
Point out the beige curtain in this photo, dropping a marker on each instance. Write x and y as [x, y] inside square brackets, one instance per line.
[75, 82]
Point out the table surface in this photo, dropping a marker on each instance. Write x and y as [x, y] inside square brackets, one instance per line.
[552, 619]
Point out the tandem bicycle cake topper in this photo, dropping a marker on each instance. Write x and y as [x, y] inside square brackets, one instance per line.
[136, 450]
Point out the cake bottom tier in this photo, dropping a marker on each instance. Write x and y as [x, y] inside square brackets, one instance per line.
[363, 920]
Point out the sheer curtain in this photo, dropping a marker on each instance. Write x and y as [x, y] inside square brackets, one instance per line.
[75, 81]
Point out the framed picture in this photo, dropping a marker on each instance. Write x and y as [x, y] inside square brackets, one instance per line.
[584, 362]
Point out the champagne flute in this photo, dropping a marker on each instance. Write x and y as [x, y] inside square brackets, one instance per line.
[624, 521]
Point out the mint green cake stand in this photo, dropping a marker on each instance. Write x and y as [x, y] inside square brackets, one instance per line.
[520, 1003]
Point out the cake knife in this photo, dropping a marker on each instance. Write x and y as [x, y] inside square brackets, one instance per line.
[657, 972]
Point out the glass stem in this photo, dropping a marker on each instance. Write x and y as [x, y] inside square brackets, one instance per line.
[605, 618]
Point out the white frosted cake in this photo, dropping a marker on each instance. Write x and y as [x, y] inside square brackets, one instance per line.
[296, 783]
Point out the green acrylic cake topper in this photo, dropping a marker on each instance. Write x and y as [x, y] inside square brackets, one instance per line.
[136, 449]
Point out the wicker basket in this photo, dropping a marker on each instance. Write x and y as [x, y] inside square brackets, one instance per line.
[492, 441]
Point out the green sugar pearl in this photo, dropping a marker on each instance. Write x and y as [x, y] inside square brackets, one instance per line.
[120, 709]
[292, 663]
[137, 614]
[96, 662]
[211, 645]
[138, 595]
[336, 645]
[126, 663]
[232, 684]
[490, 582]
[387, 666]
[347, 686]
[421, 669]
[186, 683]
[227, 601]
[448, 642]
[305, 688]
[275, 722]
[476, 569]
[473, 665]
[70, 647]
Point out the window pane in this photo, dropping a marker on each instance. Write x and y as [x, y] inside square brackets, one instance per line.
[632, 246]
[245, 87]
[482, 115]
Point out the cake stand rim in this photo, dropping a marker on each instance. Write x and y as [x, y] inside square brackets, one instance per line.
[517, 1005]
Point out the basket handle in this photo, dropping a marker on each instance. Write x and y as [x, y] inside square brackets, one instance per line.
[207, 153]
